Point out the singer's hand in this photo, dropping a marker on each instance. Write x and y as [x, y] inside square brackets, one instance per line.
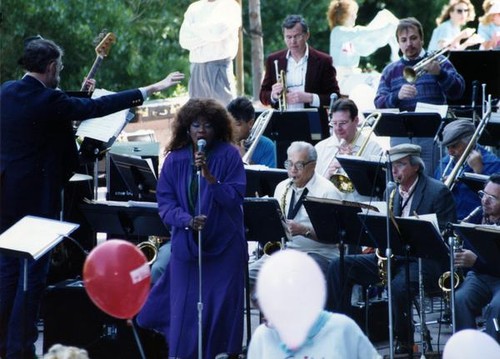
[200, 161]
[198, 222]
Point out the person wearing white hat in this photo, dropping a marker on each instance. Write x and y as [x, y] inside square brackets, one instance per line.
[489, 25]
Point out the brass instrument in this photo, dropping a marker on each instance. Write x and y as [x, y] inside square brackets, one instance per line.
[457, 170]
[256, 133]
[341, 181]
[272, 247]
[412, 73]
[281, 78]
[382, 262]
[150, 248]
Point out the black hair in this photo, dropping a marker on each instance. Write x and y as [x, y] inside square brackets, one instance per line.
[345, 104]
[494, 178]
[291, 20]
[38, 53]
[241, 109]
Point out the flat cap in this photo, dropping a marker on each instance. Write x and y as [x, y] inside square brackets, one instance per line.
[456, 130]
[405, 149]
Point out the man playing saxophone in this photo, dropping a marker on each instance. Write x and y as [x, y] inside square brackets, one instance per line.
[416, 193]
[481, 287]
[345, 139]
[456, 137]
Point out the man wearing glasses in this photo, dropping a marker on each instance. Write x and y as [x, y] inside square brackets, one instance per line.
[456, 137]
[345, 139]
[302, 181]
[481, 288]
[310, 75]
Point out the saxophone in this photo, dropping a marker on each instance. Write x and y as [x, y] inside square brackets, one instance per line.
[382, 262]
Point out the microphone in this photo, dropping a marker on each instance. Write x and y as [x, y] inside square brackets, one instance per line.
[201, 144]
[333, 98]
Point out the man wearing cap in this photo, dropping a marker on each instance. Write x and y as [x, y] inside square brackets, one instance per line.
[456, 137]
[415, 194]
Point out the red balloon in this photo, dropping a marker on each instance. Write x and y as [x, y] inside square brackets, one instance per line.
[117, 278]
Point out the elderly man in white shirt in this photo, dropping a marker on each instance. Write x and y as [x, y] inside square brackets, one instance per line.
[210, 33]
[302, 181]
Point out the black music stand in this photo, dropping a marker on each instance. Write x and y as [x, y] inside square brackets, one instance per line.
[474, 181]
[408, 124]
[263, 224]
[138, 176]
[262, 181]
[407, 240]
[485, 242]
[301, 125]
[491, 133]
[124, 220]
[336, 221]
[368, 177]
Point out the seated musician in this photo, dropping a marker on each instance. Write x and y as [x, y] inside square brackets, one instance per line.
[438, 83]
[243, 114]
[302, 182]
[456, 137]
[345, 140]
[416, 193]
[481, 288]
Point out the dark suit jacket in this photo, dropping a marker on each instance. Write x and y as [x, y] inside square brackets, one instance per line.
[320, 76]
[37, 144]
[431, 196]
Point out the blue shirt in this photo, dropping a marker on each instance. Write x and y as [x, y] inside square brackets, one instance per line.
[265, 153]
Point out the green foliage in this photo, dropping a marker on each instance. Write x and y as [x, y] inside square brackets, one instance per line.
[147, 30]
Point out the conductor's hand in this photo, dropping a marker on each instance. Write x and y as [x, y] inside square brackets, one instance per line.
[198, 222]
[172, 79]
[407, 91]
[465, 258]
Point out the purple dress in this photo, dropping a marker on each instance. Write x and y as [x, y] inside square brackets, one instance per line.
[171, 307]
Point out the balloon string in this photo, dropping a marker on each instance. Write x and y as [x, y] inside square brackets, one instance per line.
[138, 341]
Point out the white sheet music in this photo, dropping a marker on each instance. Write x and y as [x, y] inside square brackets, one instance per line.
[422, 107]
[34, 236]
[104, 128]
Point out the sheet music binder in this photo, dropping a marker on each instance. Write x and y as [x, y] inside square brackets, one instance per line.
[368, 177]
[263, 180]
[422, 236]
[263, 220]
[32, 237]
[485, 242]
[330, 216]
[129, 221]
[408, 124]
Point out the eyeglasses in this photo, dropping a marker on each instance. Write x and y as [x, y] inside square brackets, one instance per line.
[399, 164]
[338, 124]
[205, 125]
[487, 196]
[460, 11]
[297, 37]
[299, 165]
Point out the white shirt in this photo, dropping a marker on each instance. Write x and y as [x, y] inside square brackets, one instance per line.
[339, 338]
[296, 78]
[317, 186]
[210, 30]
[328, 148]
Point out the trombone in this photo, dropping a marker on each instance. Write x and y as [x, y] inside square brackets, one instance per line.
[256, 133]
[342, 181]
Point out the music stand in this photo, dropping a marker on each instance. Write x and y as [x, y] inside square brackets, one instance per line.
[408, 124]
[263, 224]
[301, 125]
[485, 243]
[368, 177]
[474, 181]
[17, 241]
[138, 175]
[491, 132]
[263, 180]
[124, 219]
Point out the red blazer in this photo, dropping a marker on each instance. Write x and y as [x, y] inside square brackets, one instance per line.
[320, 76]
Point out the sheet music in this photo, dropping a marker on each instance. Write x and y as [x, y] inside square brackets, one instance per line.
[431, 217]
[106, 127]
[423, 107]
[128, 204]
[34, 236]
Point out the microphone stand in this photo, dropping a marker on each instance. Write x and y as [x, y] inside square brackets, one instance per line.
[200, 300]
[388, 253]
